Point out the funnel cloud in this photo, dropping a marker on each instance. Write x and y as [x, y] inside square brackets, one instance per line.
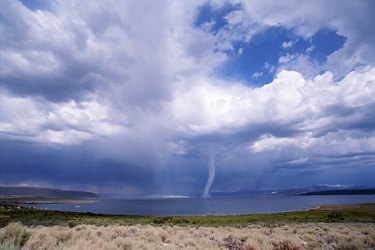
[211, 175]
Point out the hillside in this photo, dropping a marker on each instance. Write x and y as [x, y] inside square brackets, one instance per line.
[44, 192]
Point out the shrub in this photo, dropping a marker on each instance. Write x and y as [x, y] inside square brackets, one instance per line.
[335, 216]
[284, 245]
[72, 224]
[13, 236]
[234, 242]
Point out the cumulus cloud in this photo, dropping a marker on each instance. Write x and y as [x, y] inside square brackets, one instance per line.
[120, 94]
[289, 98]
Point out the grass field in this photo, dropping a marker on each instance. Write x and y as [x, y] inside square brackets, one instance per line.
[328, 227]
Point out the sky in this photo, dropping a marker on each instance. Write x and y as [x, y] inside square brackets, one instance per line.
[177, 97]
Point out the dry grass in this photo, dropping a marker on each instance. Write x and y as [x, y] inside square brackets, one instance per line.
[278, 237]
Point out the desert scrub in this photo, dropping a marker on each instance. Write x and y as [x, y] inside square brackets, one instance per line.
[253, 237]
[13, 236]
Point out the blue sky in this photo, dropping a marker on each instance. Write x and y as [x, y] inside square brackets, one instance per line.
[186, 97]
[251, 59]
[262, 53]
[36, 4]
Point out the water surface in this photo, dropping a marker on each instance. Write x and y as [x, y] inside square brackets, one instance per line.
[208, 206]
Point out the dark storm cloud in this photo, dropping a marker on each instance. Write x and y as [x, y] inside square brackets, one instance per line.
[355, 119]
[64, 166]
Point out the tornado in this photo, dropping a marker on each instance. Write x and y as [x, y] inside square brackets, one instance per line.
[211, 176]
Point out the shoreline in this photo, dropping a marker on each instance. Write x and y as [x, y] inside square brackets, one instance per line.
[142, 207]
[26, 202]
[349, 213]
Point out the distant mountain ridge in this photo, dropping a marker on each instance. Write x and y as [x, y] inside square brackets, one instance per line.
[44, 192]
[291, 191]
[368, 191]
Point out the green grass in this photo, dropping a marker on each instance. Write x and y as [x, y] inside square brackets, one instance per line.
[348, 213]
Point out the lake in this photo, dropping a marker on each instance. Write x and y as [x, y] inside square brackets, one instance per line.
[208, 206]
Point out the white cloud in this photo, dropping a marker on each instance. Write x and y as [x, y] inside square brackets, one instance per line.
[271, 143]
[257, 74]
[301, 63]
[287, 45]
[32, 119]
[64, 137]
[271, 68]
[310, 49]
[288, 99]
[287, 58]
[234, 17]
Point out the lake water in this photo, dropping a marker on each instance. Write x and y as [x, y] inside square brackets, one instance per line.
[208, 206]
